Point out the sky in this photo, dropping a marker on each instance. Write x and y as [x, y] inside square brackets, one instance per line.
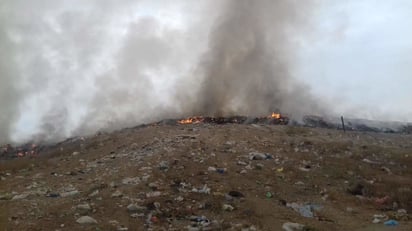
[362, 57]
[66, 57]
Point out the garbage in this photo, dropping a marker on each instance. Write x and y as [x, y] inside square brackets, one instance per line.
[199, 222]
[259, 156]
[305, 210]
[204, 190]
[378, 218]
[269, 195]
[218, 170]
[289, 226]
[382, 201]
[370, 161]
[154, 219]
[53, 195]
[391, 223]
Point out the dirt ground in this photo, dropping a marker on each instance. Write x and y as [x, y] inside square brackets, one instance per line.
[213, 177]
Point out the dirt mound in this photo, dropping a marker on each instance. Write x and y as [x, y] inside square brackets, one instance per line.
[211, 176]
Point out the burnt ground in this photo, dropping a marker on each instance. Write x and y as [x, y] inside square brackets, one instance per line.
[212, 177]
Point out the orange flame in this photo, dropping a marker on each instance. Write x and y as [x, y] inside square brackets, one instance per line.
[276, 115]
[191, 120]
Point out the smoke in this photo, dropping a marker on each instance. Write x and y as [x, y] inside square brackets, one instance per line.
[74, 69]
[247, 69]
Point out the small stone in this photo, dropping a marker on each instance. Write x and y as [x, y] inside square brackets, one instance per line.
[211, 169]
[164, 165]
[117, 193]
[131, 180]
[84, 207]
[133, 208]
[153, 194]
[136, 215]
[289, 226]
[70, 193]
[86, 220]
[75, 153]
[227, 207]
[20, 197]
[259, 166]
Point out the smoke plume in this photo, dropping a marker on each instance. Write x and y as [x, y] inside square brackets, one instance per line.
[247, 69]
[74, 69]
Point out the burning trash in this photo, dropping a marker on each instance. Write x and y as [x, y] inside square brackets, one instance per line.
[274, 118]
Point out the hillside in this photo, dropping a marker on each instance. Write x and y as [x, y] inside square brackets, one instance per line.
[212, 177]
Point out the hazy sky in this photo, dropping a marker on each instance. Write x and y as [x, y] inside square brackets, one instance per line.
[362, 55]
[354, 54]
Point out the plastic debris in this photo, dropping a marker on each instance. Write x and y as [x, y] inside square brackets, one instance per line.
[205, 190]
[305, 210]
[391, 223]
[269, 195]
[378, 218]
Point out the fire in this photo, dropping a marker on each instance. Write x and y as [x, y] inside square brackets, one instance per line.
[191, 120]
[276, 115]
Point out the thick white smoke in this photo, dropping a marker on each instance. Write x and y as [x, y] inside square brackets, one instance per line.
[75, 67]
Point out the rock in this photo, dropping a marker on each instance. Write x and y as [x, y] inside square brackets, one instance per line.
[6, 196]
[70, 193]
[227, 207]
[211, 169]
[164, 165]
[133, 208]
[117, 193]
[131, 180]
[75, 153]
[136, 215]
[20, 196]
[53, 194]
[84, 207]
[289, 226]
[153, 194]
[357, 188]
[236, 194]
[86, 220]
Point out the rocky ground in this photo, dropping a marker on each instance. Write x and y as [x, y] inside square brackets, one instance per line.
[213, 177]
